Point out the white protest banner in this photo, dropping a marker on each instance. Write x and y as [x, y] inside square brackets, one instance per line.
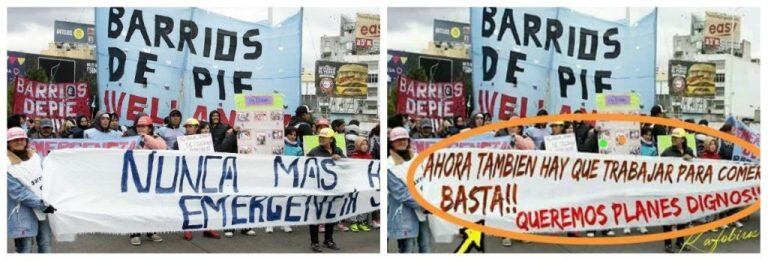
[561, 143]
[502, 143]
[551, 192]
[196, 143]
[125, 191]
[45, 146]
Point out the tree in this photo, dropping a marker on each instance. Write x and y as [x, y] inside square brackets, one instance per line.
[418, 74]
[33, 74]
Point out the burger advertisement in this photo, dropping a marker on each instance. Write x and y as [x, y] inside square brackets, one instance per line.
[691, 79]
[341, 79]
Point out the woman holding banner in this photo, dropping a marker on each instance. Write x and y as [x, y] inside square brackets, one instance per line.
[27, 213]
[678, 149]
[149, 141]
[406, 219]
[327, 149]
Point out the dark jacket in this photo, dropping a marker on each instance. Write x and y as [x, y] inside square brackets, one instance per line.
[319, 151]
[228, 144]
[673, 152]
[218, 131]
[658, 130]
[303, 128]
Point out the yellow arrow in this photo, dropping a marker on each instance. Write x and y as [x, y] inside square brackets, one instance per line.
[472, 239]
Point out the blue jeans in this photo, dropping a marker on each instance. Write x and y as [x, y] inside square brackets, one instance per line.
[43, 238]
[424, 240]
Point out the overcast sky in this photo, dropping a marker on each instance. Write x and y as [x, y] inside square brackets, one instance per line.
[31, 29]
[410, 29]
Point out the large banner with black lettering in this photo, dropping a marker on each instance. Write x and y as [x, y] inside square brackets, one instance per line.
[153, 60]
[550, 192]
[557, 59]
[133, 191]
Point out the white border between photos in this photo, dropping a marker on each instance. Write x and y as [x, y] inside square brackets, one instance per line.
[382, 4]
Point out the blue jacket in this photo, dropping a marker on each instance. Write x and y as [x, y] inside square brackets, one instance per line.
[401, 216]
[648, 149]
[293, 149]
[22, 222]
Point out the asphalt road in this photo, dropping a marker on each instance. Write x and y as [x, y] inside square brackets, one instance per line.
[493, 244]
[278, 242]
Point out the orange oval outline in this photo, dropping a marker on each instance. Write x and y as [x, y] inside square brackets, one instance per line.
[574, 240]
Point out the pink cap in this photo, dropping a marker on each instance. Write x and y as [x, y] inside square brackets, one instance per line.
[398, 133]
[16, 133]
[144, 121]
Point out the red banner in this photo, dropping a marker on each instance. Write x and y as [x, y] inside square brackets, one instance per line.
[431, 100]
[51, 100]
[45, 146]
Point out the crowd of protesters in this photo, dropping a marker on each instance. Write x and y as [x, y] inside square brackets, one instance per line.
[27, 211]
[410, 229]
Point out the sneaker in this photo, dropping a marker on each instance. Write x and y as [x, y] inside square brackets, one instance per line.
[506, 242]
[610, 233]
[269, 230]
[136, 241]
[212, 234]
[738, 224]
[669, 249]
[643, 230]
[287, 229]
[342, 227]
[354, 227]
[331, 245]
[627, 231]
[364, 227]
[315, 248]
[228, 234]
[188, 235]
[249, 232]
[156, 238]
[591, 234]
[375, 224]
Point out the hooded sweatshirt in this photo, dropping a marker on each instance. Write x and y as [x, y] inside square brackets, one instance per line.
[293, 148]
[358, 153]
[647, 148]
[99, 133]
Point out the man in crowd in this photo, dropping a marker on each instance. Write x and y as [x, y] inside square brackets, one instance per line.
[101, 129]
[426, 131]
[172, 130]
[45, 131]
[302, 121]
[218, 128]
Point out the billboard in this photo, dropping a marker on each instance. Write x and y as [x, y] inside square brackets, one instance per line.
[341, 79]
[69, 32]
[367, 30]
[57, 69]
[720, 29]
[691, 79]
[451, 32]
[437, 68]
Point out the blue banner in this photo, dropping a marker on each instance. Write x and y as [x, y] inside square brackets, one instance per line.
[153, 60]
[526, 59]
